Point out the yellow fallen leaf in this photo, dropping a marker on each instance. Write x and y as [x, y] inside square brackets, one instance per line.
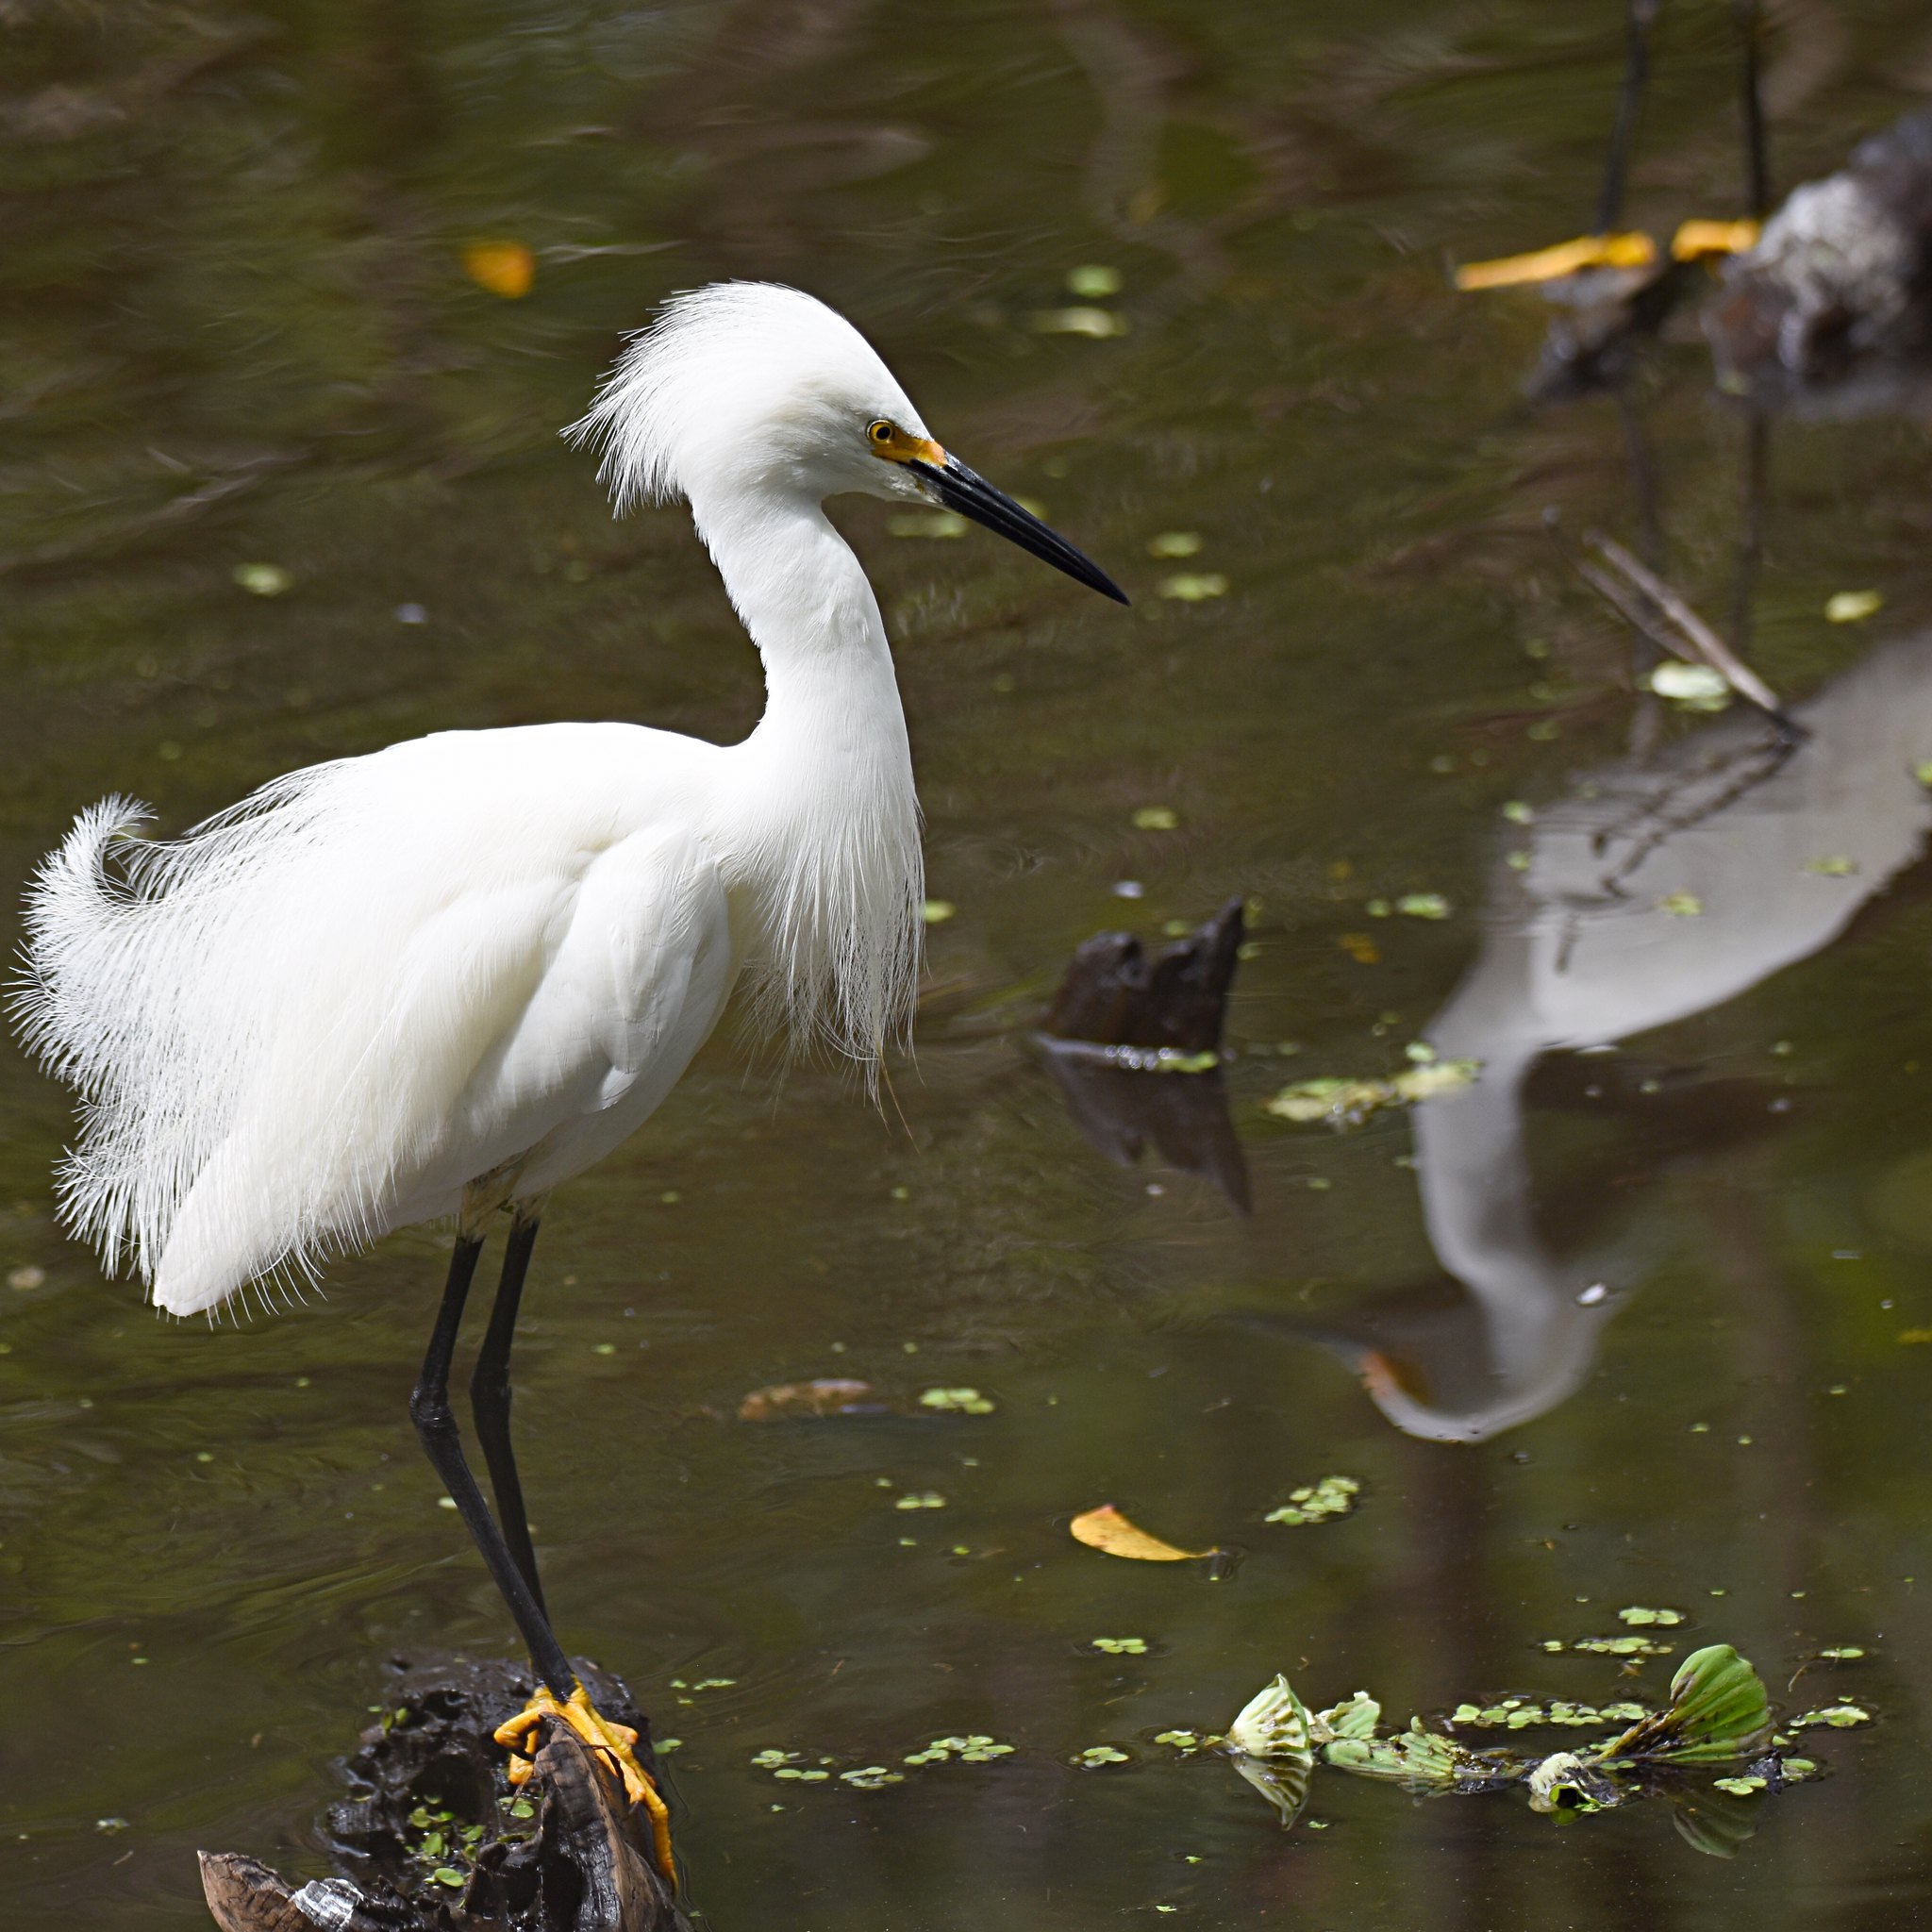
[1107, 1530]
[505, 268]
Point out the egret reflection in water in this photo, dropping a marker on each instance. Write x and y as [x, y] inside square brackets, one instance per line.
[1657, 889]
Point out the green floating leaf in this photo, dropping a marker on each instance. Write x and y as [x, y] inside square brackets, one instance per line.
[1717, 1712]
[1354, 1717]
[1273, 1725]
[1093, 280]
[1415, 1757]
[1840, 1717]
[1193, 587]
[1334, 1495]
[1851, 607]
[1342, 1104]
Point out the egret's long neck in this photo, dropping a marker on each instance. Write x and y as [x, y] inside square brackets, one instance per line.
[824, 829]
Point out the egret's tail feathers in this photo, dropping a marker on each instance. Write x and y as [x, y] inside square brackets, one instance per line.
[155, 973]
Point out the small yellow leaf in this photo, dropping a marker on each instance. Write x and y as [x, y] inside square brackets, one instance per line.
[505, 268]
[1107, 1530]
[1851, 607]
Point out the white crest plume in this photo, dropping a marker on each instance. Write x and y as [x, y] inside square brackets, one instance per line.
[747, 397]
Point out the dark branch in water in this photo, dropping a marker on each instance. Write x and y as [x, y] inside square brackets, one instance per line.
[436, 1840]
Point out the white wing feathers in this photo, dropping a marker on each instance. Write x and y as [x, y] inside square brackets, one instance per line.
[320, 1014]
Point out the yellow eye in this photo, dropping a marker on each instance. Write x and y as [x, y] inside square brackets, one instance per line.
[882, 432]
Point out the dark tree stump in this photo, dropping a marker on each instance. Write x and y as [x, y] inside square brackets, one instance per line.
[432, 1775]
[1116, 1007]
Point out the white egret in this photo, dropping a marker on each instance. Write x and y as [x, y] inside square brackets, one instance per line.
[440, 979]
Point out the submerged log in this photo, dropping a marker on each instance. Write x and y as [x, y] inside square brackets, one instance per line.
[434, 1839]
[1113, 996]
[1116, 1014]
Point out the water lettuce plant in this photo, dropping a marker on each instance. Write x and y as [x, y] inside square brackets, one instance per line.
[1717, 1714]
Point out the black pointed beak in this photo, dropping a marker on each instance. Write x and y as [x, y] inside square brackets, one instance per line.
[971, 495]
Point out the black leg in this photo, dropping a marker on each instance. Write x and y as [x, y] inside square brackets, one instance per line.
[436, 1425]
[1756, 147]
[1609, 207]
[489, 1403]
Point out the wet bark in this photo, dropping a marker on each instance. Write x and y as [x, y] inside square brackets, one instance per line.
[433, 1838]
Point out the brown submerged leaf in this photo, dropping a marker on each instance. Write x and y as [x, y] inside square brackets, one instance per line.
[785, 1401]
[1107, 1530]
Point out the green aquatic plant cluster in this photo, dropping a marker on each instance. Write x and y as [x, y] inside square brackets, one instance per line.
[1717, 1714]
[1342, 1103]
[1334, 1495]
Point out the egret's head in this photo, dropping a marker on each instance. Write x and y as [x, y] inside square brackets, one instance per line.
[747, 389]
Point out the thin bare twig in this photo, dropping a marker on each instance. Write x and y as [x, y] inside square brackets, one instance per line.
[1708, 647]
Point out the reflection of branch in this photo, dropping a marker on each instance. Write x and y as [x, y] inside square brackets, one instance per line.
[177, 509]
[1707, 647]
[1122, 175]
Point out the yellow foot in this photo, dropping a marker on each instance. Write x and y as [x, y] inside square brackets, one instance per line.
[614, 1740]
[1631, 249]
[1699, 241]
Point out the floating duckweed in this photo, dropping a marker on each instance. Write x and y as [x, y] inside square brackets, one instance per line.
[1844, 1653]
[448, 1875]
[1097, 323]
[262, 580]
[1097, 1754]
[1610, 1646]
[936, 911]
[1193, 587]
[1174, 544]
[976, 1749]
[1637, 1614]
[1092, 279]
[1122, 1646]
[1518, 813]
[1851, 607]
[956, 1401]
[1840, 1717]
[772, 1757]
[870, 1777]
[928, 1499]
[1343, 1103]
[804, 1777]
[1181, 1740]
[1423, 906]
[1520, 1713]
[1696, 687]
[1680, 905]
[1155, 817]
[1740, 1786]
[1836, 866]
[1334, 1495]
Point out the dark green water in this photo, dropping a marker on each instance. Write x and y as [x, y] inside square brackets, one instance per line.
[238, 331]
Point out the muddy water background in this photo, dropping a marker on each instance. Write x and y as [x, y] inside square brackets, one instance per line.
[237, 330]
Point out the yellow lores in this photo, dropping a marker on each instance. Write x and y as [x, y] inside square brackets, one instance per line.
[889, 440]
[614, 1740]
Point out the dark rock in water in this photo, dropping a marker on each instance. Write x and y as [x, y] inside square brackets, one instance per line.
[434, 1839]
[1115, 1014]
[1112, 996]
[1841, 275]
